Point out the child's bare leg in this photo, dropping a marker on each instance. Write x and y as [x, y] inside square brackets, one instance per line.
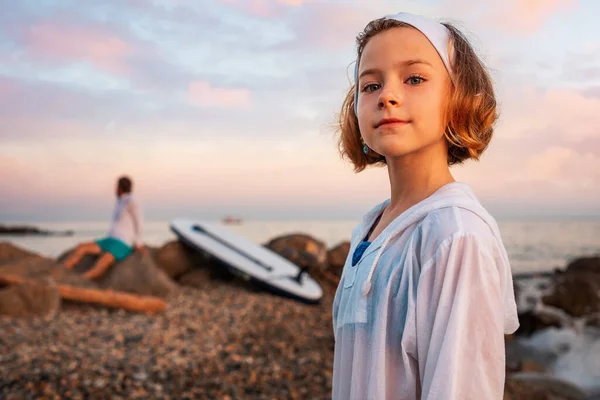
[100, 267]
[79, 252]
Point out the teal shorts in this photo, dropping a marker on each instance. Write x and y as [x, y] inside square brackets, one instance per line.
[116, 247]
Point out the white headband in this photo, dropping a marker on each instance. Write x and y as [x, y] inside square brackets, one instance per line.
[438, 35]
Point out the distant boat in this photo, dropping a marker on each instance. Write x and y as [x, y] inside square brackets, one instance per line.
[231, 220]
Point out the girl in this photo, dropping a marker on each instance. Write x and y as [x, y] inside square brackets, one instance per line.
[426, 294]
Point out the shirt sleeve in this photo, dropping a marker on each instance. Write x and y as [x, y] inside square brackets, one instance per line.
[460, 322]
[136, 214]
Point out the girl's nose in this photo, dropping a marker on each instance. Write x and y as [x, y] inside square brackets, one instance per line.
[389, 97]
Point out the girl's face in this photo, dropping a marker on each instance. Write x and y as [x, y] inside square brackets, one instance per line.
[403, 91]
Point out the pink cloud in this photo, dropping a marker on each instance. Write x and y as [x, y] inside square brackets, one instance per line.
[512, 16]
[532, 13]
[319, 28]
[528, 15]
[264, 8]
[204, 94]
[104, 50]
[30, 129]
[335, 25]
[545, 149]
[568, 114]
[294, 3]
[564, 164]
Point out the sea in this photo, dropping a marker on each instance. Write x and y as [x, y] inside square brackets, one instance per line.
[533, 244]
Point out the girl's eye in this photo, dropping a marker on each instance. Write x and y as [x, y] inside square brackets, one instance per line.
[415, 80]
[371, 87]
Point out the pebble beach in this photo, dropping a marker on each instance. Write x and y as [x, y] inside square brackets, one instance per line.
[226, 341]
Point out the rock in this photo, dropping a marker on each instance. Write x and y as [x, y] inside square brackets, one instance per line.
[35, 298]
[197, 278]
[136, 274]
[543, 316]
[336, 257]
[518, 390]
[594, 320]
[529, 322]
[23, 230]
[9, 253]
[176, 259]
[29, 266]
[301, 258]
[539, 386]
[303, 250]
[37, 266]
[584, 264]
[577, 293]
[531, 366]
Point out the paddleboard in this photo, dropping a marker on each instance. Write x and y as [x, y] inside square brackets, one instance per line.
[248, 260]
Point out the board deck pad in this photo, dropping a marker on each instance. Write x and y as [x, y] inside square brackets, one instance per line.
[248, 260]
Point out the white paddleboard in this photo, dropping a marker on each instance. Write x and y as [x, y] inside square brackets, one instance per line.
[248, 260]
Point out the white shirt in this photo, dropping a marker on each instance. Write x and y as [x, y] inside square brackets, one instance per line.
[126, 222]
[424, 312]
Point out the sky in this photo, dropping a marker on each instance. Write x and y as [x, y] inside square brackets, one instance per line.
[228, 107]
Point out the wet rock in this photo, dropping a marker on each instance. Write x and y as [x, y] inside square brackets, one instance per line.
[578, 294]
[540, 318]
[531, 366]
[584, 264]
[539, 386]
[593, 320]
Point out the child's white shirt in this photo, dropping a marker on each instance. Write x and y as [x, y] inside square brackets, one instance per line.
[424, 312]
[126, 224]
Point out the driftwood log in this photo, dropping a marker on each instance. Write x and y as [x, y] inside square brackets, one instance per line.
[107, 298]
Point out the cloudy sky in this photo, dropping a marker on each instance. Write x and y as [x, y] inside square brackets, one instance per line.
[227, 106]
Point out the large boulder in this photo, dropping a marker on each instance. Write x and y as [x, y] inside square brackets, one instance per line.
[10, 253]
[303, 250]
[540, 386]
[584, 264]
[336, 257]
[578, 294]
[34, 266]
[39, 297]
[175, 259]
[136, 274]
[531, 322]
[594, 321]
[197, 278]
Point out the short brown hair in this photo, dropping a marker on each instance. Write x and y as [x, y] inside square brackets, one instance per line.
[124, 183]
[471, 110]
